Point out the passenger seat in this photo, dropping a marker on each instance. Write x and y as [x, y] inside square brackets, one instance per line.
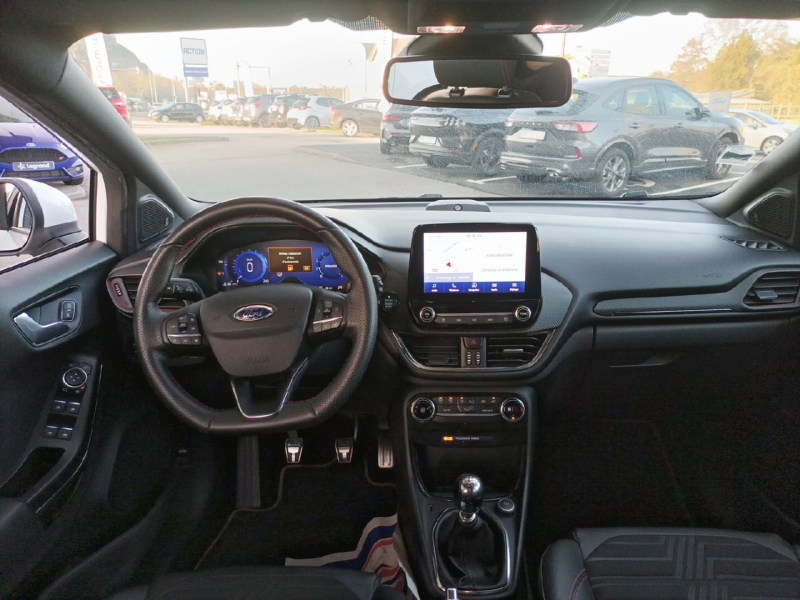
[669, 563]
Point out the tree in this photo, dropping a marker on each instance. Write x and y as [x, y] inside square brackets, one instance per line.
[689, 68]
[734, 66]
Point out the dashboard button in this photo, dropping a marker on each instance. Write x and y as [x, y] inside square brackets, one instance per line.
[447, 410]
[423, 409]
[427, 314]
[523, 313]
[388, 301]
[506, 506]
[512, 410]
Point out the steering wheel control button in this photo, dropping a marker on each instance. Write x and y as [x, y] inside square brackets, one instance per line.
[294, 450]
[67, 310]
[184, 330]
[512, 410]
[74, 378]
[423, 409]
[523, 314]
[388, 302]
[427, 314]
[506, 506]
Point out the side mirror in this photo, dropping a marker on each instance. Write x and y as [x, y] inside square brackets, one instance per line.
[36, 218]
[703, 111]
[753, 125]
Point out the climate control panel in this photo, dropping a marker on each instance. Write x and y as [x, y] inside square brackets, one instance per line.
[509, 408]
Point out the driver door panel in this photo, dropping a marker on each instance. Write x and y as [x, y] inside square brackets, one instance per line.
[35, 464]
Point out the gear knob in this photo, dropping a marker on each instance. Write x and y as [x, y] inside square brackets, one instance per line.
[469, 497]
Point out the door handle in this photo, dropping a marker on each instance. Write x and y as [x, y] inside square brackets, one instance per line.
[635, 125]
[39, 334]
[679, 126]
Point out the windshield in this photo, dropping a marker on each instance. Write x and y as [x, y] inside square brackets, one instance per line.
[11, 114]
[652, 113]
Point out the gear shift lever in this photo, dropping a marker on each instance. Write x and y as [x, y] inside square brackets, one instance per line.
[469, 497]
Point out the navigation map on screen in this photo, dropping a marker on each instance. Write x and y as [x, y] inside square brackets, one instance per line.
[474, 262]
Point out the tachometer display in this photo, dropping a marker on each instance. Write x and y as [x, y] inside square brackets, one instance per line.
[250, 266]
[283, 261]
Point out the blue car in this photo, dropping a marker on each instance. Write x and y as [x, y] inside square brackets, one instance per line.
[29, 151]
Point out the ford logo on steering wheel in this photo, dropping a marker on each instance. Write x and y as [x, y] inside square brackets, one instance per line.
[253, 312]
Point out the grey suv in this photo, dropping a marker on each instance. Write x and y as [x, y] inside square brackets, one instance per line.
[256, 110]
[615, 127]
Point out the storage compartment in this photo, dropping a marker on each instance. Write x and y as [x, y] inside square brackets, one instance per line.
[36, 465]
[500, 468]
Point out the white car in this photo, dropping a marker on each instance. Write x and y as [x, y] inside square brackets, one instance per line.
[215, 112]
[762, 132]
[312, 112]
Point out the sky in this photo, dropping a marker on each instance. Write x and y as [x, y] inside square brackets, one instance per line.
[327, 54]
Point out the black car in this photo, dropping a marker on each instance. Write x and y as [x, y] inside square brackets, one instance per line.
[280, 108]
[613, 128]
[395, 133]
[179, 111]
[473, 137]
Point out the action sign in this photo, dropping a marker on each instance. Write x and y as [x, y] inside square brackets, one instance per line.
[193, 51]
[192, 71]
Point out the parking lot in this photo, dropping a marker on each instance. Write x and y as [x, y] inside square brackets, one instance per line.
[216, 162]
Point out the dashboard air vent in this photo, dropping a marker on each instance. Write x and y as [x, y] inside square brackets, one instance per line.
[756, 244]
[166, 302]
[434, 351]
[774, 289]
[513, 351]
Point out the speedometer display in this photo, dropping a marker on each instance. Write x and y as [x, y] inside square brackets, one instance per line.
[284, 261]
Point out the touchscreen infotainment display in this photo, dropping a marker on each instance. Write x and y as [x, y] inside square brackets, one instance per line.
[474, 262]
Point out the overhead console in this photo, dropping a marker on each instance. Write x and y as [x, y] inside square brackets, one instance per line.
[474, 275]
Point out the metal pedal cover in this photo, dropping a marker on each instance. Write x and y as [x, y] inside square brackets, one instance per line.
[294, 450]
[385, 451]
[344, 449]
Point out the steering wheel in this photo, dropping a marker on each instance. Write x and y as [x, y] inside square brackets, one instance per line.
[258, 331]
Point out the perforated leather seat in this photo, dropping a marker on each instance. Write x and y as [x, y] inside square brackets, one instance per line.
[669, 564]
[264, 583]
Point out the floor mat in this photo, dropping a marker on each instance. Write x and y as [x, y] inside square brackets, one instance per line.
[320, 510]
[380, 551]
[606, 474]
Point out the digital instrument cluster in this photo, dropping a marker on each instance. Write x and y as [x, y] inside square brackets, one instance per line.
[282, 261]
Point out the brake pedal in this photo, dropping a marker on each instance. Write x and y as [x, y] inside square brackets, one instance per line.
[385, 451]
[294, 450]
[344, 449]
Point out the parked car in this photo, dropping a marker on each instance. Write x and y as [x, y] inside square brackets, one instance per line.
[395, 133]
[179, 111]
[613, 128]
[230, 111]
[474, 137]
[362, 116]
[29, 151]
[762, 131]
[281, 107]
[215, 112]
[312, 112]
[117, 102]
[256, 110]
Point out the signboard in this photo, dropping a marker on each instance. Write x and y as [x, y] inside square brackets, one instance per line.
[192, 71]
[193, 51]
[719, 101]
[98, 60]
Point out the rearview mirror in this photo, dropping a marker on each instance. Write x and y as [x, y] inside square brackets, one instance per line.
[35, 218]
[521, 81]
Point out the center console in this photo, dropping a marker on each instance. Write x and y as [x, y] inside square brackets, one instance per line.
[466, 468]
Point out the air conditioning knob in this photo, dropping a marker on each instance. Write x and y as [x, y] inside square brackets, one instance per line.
[427, 314]
[512, 410]
[523, 313]
[423, 409]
